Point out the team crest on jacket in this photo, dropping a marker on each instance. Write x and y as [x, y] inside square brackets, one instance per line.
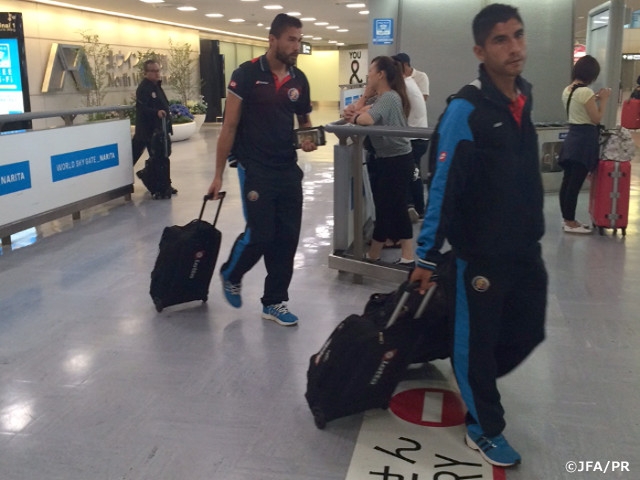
[293, 94]
[443, 156]
[252, 196]
[480, 284]
[154, 95]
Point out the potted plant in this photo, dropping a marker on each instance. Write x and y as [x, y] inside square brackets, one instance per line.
[198, 109]
[181, 64]
[182, 122]
[94, 71]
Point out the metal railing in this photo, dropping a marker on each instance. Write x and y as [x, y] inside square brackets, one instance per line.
[67, 115]
[354, 261]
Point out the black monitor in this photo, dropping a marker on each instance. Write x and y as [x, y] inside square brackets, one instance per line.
[14, 84]
[305, 48]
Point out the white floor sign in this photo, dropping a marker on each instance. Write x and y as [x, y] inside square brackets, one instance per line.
[420, 437]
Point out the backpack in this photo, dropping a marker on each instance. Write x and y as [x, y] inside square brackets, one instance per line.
[469, 92]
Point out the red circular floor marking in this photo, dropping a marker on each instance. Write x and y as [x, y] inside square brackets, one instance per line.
[408, 406]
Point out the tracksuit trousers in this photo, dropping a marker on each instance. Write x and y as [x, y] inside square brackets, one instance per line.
[272, 205]
[499, 316]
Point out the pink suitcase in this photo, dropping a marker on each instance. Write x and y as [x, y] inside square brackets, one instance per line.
[630, 115]
[609, 196]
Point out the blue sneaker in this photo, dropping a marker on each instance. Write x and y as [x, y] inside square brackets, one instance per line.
[280, 314]
[231, 292]
[495, 450]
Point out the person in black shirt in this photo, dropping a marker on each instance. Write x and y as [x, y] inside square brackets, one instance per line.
[151, 106]
[635, 93]
[264, 95]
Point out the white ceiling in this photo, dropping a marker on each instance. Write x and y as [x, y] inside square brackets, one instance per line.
[334, 12]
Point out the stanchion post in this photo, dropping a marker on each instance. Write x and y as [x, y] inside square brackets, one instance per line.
[358, 204]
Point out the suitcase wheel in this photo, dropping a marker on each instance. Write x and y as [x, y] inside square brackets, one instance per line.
[624, 232]
[319, 418]
[204, 299]
[158, 303]
[601, 230]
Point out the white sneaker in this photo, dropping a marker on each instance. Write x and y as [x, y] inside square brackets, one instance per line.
[579, 229]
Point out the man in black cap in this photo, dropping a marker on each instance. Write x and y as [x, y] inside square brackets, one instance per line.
[420, 77]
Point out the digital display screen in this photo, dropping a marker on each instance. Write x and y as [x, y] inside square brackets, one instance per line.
[11, 98]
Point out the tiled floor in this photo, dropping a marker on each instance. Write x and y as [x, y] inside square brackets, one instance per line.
[94, 384]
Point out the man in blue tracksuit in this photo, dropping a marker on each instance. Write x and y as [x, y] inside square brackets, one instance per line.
[486, 199]
[264, 96]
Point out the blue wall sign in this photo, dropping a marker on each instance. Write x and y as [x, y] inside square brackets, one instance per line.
[73, 164]
[383, 31]
[15, 177]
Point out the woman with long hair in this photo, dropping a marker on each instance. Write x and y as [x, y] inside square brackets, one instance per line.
[394, 161]
[580, 151]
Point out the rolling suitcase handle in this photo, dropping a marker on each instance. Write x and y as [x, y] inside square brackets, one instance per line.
[221, 195]
[164, 136]
[405, 296]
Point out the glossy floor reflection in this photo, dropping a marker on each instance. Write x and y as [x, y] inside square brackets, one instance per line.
[94, 384]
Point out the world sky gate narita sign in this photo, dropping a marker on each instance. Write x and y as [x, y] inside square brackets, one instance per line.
[420, 437]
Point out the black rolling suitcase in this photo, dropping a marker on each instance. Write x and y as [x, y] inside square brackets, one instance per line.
[156, 174]
[361, 363]
[435, 328]
[186, 261]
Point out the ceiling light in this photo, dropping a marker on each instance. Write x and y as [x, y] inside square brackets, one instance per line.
[307, 36]
[342, 30]
[260, 25]
[356, 5]
[294, 14]
[273, 7]
[187, 9]
[152, 1]
[316, 38]
[333, 41]
[308, 19]
[249, 0]
[340, 44]
[333, 27]
[364, 12]
[321, 24]
[236, 20]
[214, 15]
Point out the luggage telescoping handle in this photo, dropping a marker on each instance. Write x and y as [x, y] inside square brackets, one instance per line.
[165, 139]
[221, 196]
[405, 296]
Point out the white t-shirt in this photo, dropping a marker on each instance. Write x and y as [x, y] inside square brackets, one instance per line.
[418, 113]
[421, 80]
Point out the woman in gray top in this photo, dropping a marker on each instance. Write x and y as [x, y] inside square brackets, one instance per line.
[394, 162]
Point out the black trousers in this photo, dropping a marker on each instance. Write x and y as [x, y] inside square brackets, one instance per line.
[138, 144]
[574, 176]
[389, 187]
[416, 187]
[499, 316]
[272, 204]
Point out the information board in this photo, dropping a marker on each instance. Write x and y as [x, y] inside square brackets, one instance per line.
[14, 86]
